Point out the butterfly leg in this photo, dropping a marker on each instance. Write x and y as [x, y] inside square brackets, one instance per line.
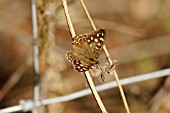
[103, 77]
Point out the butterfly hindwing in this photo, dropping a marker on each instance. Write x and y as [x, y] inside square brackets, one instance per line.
[79, 62]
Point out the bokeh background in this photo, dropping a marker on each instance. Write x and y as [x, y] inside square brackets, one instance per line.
[137, 36]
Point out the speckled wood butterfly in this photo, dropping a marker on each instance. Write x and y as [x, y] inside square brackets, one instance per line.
[86, 50]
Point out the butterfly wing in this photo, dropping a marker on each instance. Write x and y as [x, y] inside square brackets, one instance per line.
[79, 62]
[81, 46]
[96, 40]
[90, 44]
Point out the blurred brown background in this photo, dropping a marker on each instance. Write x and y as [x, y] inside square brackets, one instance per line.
[137, 36]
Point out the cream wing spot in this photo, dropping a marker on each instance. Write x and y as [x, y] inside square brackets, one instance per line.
[91, 38]
[78, 67]
[102, 34]
[97, 47]
[81, 65]
[101, 39]
[96, 40]
[99, 44]
[84, 69]
[98, 35]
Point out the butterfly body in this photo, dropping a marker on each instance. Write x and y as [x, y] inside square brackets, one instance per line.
[86, 50]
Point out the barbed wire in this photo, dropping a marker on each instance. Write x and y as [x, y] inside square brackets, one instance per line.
[27, 105]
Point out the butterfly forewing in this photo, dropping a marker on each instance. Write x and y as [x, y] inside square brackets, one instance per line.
[96, 41]
[81, 46]
[86, 50]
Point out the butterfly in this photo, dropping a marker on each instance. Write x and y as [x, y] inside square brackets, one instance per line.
[86, 50]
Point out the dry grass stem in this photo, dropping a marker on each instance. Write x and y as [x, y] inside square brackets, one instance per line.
[88, 15]
[70, 25]
[109, 60]
[121, 91]
[92, 87]
[87, 74]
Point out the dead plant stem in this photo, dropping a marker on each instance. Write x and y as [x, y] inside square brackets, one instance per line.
[87, 74]
[95, 93]
[70, 25]
[109, 60]
[88, 15]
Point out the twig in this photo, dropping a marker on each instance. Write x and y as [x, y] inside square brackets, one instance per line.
[109, 60]
[88, 15]
[87, 74]
[121, 91]
[70, 25]
[94, 91]
[36, 59]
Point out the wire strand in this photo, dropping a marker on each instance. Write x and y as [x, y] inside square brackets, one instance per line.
[36, 53]
[103, 87]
